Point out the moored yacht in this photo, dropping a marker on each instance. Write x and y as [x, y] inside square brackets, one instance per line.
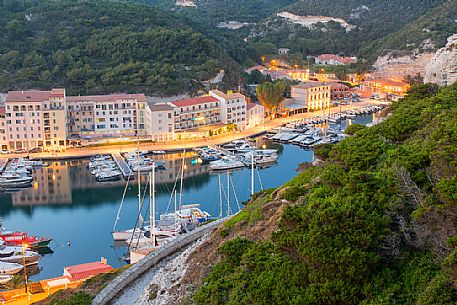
[225, 163]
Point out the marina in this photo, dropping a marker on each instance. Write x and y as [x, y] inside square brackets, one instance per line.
[67, 203]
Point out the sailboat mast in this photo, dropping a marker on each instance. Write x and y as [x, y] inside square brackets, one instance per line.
[138, 158]
[152, 208]
[175, 209]
[220, 195]
[252, 174]
[182, 177]
[228, 193]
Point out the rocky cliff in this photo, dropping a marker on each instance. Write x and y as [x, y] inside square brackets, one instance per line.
[442, 69]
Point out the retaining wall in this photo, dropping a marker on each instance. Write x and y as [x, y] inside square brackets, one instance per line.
[137, 270]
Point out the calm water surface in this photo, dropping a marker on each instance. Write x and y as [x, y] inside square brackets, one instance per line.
[67, 204]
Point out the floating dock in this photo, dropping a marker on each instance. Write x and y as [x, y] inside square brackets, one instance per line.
[123, 166]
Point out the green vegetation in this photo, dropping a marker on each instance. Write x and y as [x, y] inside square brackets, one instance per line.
[101, 46]
[85, 293]
[271, 95]
[378, 26]
[374, 224]
[434, 26]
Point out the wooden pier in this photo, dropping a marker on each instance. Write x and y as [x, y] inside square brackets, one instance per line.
[123, 166]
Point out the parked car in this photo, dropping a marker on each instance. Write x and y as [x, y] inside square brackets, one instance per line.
[36, 150]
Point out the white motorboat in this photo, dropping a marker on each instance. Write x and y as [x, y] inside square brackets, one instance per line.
[189, 212]
[5, 278]
[14, 180]
[10, 268]
[225, 163]
[29, 257]
[109, 175]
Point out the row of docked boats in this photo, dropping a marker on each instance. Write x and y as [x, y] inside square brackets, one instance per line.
[17, 173]
[19, 250]
[138, 161]
[303, 125]
[236, 154]
[309, 138]
[104, 168]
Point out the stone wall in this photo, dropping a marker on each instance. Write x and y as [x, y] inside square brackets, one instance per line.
[135, 271]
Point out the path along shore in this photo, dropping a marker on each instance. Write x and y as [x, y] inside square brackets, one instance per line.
[179, 145]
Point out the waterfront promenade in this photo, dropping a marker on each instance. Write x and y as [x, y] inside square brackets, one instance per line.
[81, 152]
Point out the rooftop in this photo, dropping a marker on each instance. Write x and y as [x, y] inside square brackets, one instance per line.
[194, 101]
[227, 96]
[33, 96]
[387, 82]
[160, 107]
[258, 68]
[249, 106]
[82, 271]
[337, 85]
[107, 98]
[309, 84]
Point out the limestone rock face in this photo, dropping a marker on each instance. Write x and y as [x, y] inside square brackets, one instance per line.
[442, 69]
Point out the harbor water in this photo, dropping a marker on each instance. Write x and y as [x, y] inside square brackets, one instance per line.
[66, 202]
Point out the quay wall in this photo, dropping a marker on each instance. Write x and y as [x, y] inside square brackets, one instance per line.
[151, 260]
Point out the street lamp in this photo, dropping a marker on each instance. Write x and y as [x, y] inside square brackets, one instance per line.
[24, 246]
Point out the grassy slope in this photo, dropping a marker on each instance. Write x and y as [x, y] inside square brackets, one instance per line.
[374, 225]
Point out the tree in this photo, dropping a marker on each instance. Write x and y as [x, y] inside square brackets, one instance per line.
[271, 95]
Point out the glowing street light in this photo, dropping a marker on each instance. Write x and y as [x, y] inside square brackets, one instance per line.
[24, 246]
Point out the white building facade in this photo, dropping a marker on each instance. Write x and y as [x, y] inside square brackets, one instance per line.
[36, 119]
[255, 115]
[108, 115]
[233, 108]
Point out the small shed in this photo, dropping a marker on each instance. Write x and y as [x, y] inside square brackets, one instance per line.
[84, 271]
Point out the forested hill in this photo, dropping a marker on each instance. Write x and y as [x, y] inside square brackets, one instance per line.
[102, 46]
[371, 20]
[373, 224]
[434, 27]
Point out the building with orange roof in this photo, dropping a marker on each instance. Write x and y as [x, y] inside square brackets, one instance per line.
[334, 60]
[381, 85]
[112, 115]
[36, 119]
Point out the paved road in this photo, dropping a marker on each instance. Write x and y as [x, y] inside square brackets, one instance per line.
[189, 144]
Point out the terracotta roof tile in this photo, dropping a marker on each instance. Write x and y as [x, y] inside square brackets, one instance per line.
[107, 98]
[28, 96]
[194, 101]
[82, 271]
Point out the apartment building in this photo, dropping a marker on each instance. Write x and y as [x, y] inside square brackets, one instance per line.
[112, 115]
[36, 119]
[233, 108]
[338, 91]
[162, 127]
[195, 112]
[255, 115]
[384, 86]
[3, 135]
[311, 95]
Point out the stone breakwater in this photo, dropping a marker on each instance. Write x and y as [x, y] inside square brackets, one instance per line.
[115, 287]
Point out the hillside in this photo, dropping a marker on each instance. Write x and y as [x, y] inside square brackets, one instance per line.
[368, 21]
[375, 223]
[101, 46]
[434, 27]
